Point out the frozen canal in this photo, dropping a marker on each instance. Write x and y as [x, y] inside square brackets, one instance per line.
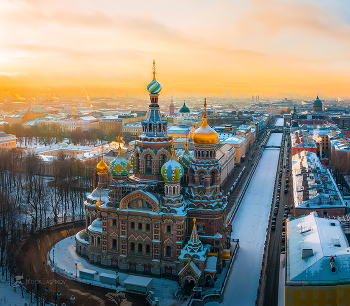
[279, 122]
[275, 140]
[249, 226]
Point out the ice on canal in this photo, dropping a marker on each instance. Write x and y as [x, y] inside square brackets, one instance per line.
[275, 140]
[250, 226]
[279, 122]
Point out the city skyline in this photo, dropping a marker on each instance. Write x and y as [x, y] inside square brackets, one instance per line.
[273, 47]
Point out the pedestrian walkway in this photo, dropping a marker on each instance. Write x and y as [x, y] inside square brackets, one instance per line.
[67, 262]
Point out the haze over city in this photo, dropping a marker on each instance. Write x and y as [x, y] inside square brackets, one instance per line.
[268, 47]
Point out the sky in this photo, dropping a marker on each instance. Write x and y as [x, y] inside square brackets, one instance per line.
[261, 47]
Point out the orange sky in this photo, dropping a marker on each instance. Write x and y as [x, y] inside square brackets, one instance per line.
[200, 46]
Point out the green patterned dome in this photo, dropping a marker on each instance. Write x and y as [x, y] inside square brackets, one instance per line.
[172, 170]
[119, 167]
[186, 159]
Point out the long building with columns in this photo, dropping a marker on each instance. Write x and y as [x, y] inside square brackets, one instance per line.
[151, 220]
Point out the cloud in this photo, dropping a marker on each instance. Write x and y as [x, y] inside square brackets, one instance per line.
[10, 74]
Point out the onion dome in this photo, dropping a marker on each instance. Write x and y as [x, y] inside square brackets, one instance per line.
[131, 159]
[205, 134]
[119, 166]
[154, 87]
[172, 170]
[184, 109]
[186, 157]
[102, 167]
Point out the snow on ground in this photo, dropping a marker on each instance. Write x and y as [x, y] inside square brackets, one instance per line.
[250, 227]
[279, 122]
[8, 296]
[66, 257]
[281, 283]
[275, 140]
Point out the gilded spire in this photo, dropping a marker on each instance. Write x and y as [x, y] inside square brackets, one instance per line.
[119, 139]
[154, 70]
[205, 109]
[172, 147]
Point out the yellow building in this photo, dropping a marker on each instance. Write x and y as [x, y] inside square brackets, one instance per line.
[317, 263]
[240, 145]
[7, 141]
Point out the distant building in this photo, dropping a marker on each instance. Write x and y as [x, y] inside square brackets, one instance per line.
[302, 141]
[111, 123]
[314, 188]
[172, 108]
[317, 106]
[317, 262]
[184, 111]
[7, 141]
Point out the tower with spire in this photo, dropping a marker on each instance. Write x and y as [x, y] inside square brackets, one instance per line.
[207, 201]
[153, 145]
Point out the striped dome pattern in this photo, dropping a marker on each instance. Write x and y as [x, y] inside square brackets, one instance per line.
[186, 159]
[119, 166]
[172, 170]
[154, 87]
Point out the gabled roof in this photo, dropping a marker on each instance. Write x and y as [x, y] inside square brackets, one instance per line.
[191, 265]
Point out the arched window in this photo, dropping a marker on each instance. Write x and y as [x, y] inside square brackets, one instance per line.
[167, 189]
[174, 192]
[159, 127]
[150, 127]
[148, 164]
[98, 241]
[88, 220]
[92, 240]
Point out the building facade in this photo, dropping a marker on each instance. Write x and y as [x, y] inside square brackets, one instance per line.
[150, 221]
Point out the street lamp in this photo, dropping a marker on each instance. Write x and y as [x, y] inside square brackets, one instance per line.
[72, 299]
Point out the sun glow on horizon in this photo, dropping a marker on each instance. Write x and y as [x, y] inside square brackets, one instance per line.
[269, 47]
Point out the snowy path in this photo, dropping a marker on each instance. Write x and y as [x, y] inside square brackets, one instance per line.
[279, 122]
[274, 140]
[66, 257]
[249, 226]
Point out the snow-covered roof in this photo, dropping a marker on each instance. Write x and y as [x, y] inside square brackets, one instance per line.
[96, 226]
[138, 280]
[312, 241]
[193, 267]
[313, 185]
[211, 264]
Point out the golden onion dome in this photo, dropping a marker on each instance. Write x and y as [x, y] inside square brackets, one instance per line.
[205, 134]
[102, 167]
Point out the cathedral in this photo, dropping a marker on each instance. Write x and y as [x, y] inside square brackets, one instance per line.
[166, 216]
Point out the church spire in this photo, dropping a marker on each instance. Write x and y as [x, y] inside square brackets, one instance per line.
[154, 70]
[194, 239]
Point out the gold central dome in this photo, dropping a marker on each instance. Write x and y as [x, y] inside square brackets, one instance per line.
[205, 134]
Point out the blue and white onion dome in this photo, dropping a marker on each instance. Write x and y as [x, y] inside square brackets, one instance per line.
[154, 87]
[119, 166]
[172, 170]
[131, 159]
[186, 159]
